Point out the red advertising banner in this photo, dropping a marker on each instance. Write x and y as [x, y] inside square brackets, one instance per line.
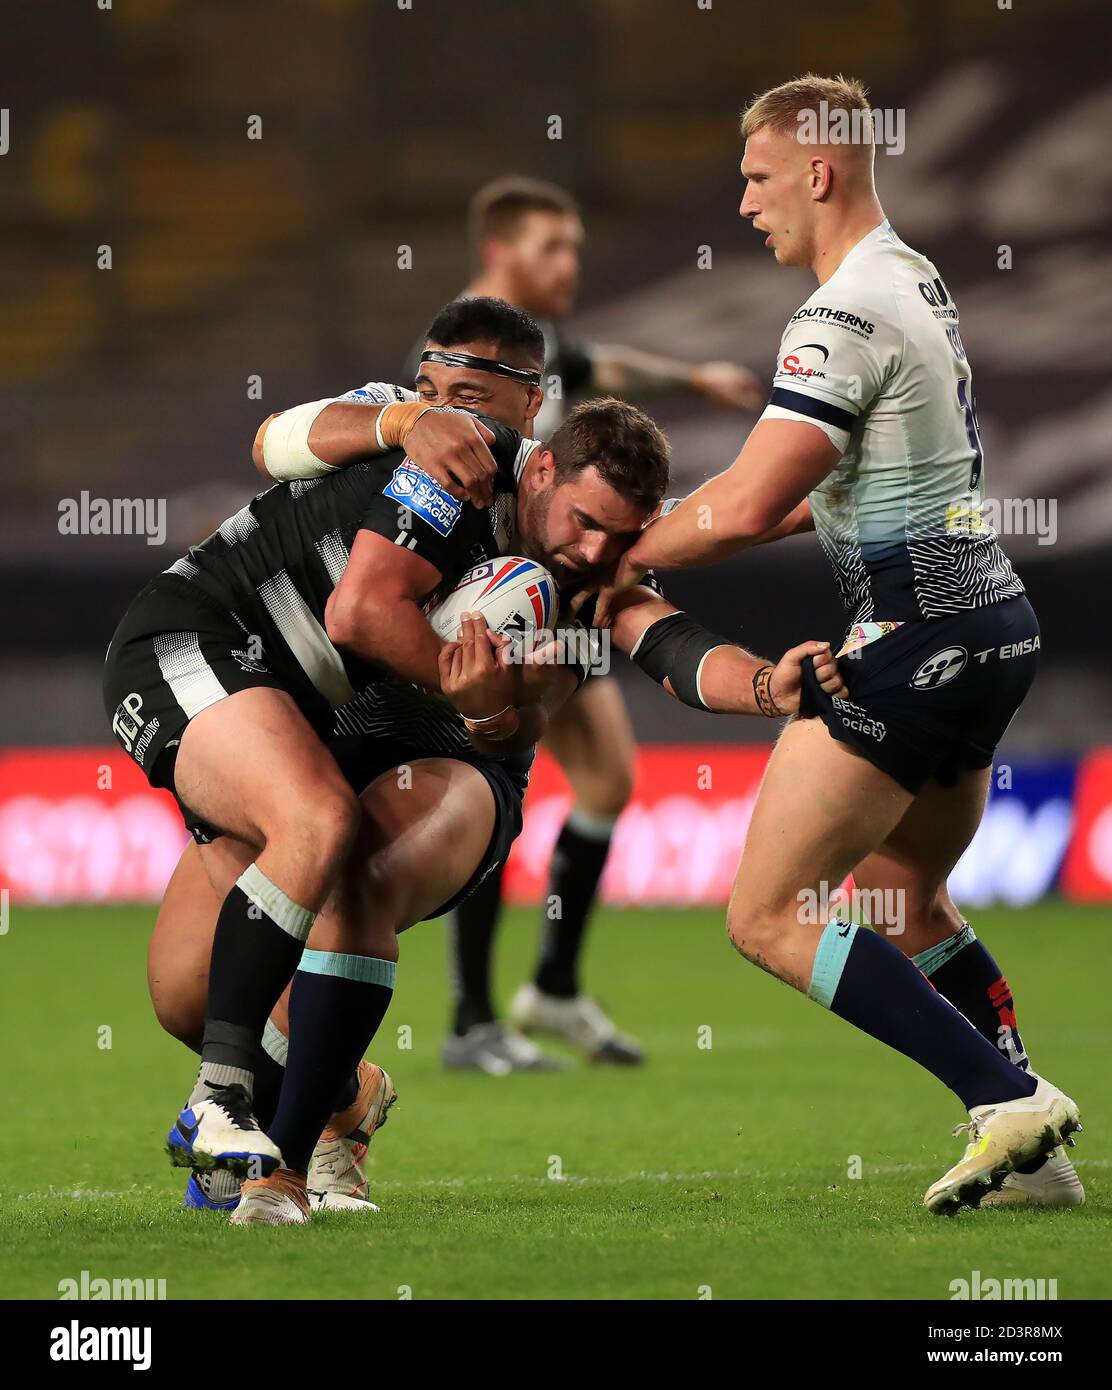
[1087, 872]
[82, 825]
[677, 842]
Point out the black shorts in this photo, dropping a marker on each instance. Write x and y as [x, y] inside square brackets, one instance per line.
[174, 654]
[933, 698]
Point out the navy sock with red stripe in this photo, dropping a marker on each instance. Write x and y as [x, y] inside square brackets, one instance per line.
[963, 971]
[869, 982]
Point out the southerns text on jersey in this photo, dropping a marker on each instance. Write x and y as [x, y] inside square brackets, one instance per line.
[843, 317]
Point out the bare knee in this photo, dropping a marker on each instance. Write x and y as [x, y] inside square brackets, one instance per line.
[605, 797]
[336, 823]
[365, 912]
[308, 847]
[753, 931]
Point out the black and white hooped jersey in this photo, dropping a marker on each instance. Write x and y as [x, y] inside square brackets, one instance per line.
[875, 359]
[274, 564]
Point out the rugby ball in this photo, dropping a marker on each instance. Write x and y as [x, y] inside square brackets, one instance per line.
[514, 594]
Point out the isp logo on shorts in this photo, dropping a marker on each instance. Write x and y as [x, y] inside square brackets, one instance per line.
[943, 666]
[418, 494]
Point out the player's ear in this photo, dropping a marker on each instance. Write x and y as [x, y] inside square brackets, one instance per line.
[544, 470]
[535, 399]
[821, 175]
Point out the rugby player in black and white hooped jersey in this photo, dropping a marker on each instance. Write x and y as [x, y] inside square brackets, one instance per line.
[870, 438]
[525, 238]
[389, 723]
[224, 675]
[386, 885]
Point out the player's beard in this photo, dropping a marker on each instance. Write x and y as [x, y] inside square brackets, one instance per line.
[534, 537]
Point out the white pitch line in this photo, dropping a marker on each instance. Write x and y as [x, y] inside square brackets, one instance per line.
[596, 1180]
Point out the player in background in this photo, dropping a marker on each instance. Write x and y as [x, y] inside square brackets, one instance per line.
[870, 438]
[526, 237]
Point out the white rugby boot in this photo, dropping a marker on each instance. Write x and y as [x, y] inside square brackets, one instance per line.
[579, 1021]
[277, 1200]
[1002, 1137]
[1054, 1184]
[337, 1178]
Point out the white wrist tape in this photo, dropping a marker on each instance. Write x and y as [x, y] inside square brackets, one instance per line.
[286, 451]
[383, 448]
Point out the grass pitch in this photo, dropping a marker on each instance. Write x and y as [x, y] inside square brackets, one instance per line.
[722, 1168]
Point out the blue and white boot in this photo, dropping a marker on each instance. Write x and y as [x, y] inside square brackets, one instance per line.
[215, 1191]
[221, 1132]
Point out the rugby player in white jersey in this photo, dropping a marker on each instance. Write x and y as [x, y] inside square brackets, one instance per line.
[870, 438]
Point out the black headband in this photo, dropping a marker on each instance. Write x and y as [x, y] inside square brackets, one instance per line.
[483, 364]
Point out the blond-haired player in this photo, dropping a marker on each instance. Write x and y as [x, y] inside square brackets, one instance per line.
[870, 438]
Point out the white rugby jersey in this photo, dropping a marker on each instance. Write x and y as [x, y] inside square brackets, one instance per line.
[874, 358]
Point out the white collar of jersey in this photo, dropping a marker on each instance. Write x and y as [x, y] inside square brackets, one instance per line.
[524, 450]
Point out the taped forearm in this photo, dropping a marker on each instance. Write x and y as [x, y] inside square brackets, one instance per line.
[350, 431]
[284, 443]
[673, 649]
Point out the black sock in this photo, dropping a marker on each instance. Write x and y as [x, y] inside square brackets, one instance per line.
[471, 931]
[577, 864]
[962, 970]
[260, 934]
[869, 982]
[268, 1087]
[336, 1005]
[270, 1069]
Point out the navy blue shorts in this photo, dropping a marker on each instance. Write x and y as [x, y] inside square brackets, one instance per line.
[361, 759]
[933, 698]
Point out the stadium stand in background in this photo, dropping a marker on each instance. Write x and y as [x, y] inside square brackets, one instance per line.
[276, 259]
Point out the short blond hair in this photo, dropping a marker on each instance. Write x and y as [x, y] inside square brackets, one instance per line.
[780, 107]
